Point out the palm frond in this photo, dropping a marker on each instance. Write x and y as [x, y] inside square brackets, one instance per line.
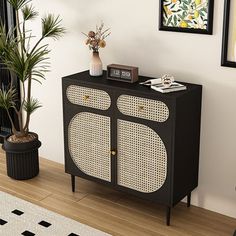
[39, 62]
[15, 62]
[18, 4]
[8, 40]
[26, 65]
[3, 39]
[32, 105]
[37, 80]
[29, 12]
[51, 27]
[8, 98]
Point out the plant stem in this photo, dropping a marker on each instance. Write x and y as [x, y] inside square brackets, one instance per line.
[12, 123]
[36, 45]
[19, 114]
[23, 99]
[19, 32]
[21, 45]
[26, 127]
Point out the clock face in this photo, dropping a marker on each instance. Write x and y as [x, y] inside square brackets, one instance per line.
[115, 73]
[120, 74]
[125, 74]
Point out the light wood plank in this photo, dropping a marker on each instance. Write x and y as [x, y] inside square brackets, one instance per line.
[100, 219]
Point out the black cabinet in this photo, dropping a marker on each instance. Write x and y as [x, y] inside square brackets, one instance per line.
[131, 137]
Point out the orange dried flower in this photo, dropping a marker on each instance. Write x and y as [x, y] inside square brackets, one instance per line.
[91, 34]
[87, 41]
[102, 44]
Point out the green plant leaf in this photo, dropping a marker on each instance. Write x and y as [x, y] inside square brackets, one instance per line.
[18, 4]
[8, 98]
[29, 13]
[51, 27]
[32, 105]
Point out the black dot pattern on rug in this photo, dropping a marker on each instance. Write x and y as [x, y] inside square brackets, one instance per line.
[72, 234]
[2, 222]
[27, 233]
[17, 212]
[44, 223]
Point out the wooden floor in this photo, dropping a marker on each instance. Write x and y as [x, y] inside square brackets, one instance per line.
[108, 210]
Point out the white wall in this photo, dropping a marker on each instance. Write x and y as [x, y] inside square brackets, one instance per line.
[135, 40]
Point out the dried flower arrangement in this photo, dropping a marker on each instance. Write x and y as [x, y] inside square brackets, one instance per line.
[96, 40]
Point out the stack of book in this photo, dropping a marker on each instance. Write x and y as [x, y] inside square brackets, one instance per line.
[157, 85]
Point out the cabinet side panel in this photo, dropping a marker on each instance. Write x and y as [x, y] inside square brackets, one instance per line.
[187, 139]
[65, 117]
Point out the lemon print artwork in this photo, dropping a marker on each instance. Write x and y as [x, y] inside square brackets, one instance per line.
[183, 24]
[191, 14]
[196, 14]
[198, 2]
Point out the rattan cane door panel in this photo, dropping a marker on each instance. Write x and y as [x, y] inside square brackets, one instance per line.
[88, 97]
[142, 157]
[143, 108]
[89, 144]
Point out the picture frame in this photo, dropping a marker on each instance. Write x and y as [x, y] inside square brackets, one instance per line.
[189, 16]
[228, 55]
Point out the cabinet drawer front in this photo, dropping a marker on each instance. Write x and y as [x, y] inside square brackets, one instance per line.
[88, 97]
[142, 157]
[143, 108]
[89, 144]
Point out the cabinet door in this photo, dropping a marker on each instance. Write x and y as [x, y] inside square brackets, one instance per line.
[141, 157]
[89, 144]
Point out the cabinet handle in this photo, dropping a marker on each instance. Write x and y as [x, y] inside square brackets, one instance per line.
[113, 152]
[86, 97]
[140, 108]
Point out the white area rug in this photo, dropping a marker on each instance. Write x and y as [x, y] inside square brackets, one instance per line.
[19, 217]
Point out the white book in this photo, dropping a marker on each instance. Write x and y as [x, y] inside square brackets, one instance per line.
[173, 88]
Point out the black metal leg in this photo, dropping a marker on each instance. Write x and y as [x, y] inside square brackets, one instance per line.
[189, 199]
[73, 183]
[168, 211]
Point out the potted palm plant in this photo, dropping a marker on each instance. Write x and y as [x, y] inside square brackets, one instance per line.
[28, 62]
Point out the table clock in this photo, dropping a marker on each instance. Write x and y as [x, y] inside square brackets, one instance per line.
[122, 73]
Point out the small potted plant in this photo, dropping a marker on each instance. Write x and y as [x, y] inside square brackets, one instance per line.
[95, 41]
[27, 62]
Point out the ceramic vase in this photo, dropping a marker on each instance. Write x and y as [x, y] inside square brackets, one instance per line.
[95, 65]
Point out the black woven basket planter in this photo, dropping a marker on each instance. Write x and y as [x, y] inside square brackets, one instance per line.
[22, 159]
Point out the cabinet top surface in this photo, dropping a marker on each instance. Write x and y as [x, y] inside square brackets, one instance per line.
[102, 81]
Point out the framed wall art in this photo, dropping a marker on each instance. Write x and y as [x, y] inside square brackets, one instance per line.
[190, 16]
[228, 57]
